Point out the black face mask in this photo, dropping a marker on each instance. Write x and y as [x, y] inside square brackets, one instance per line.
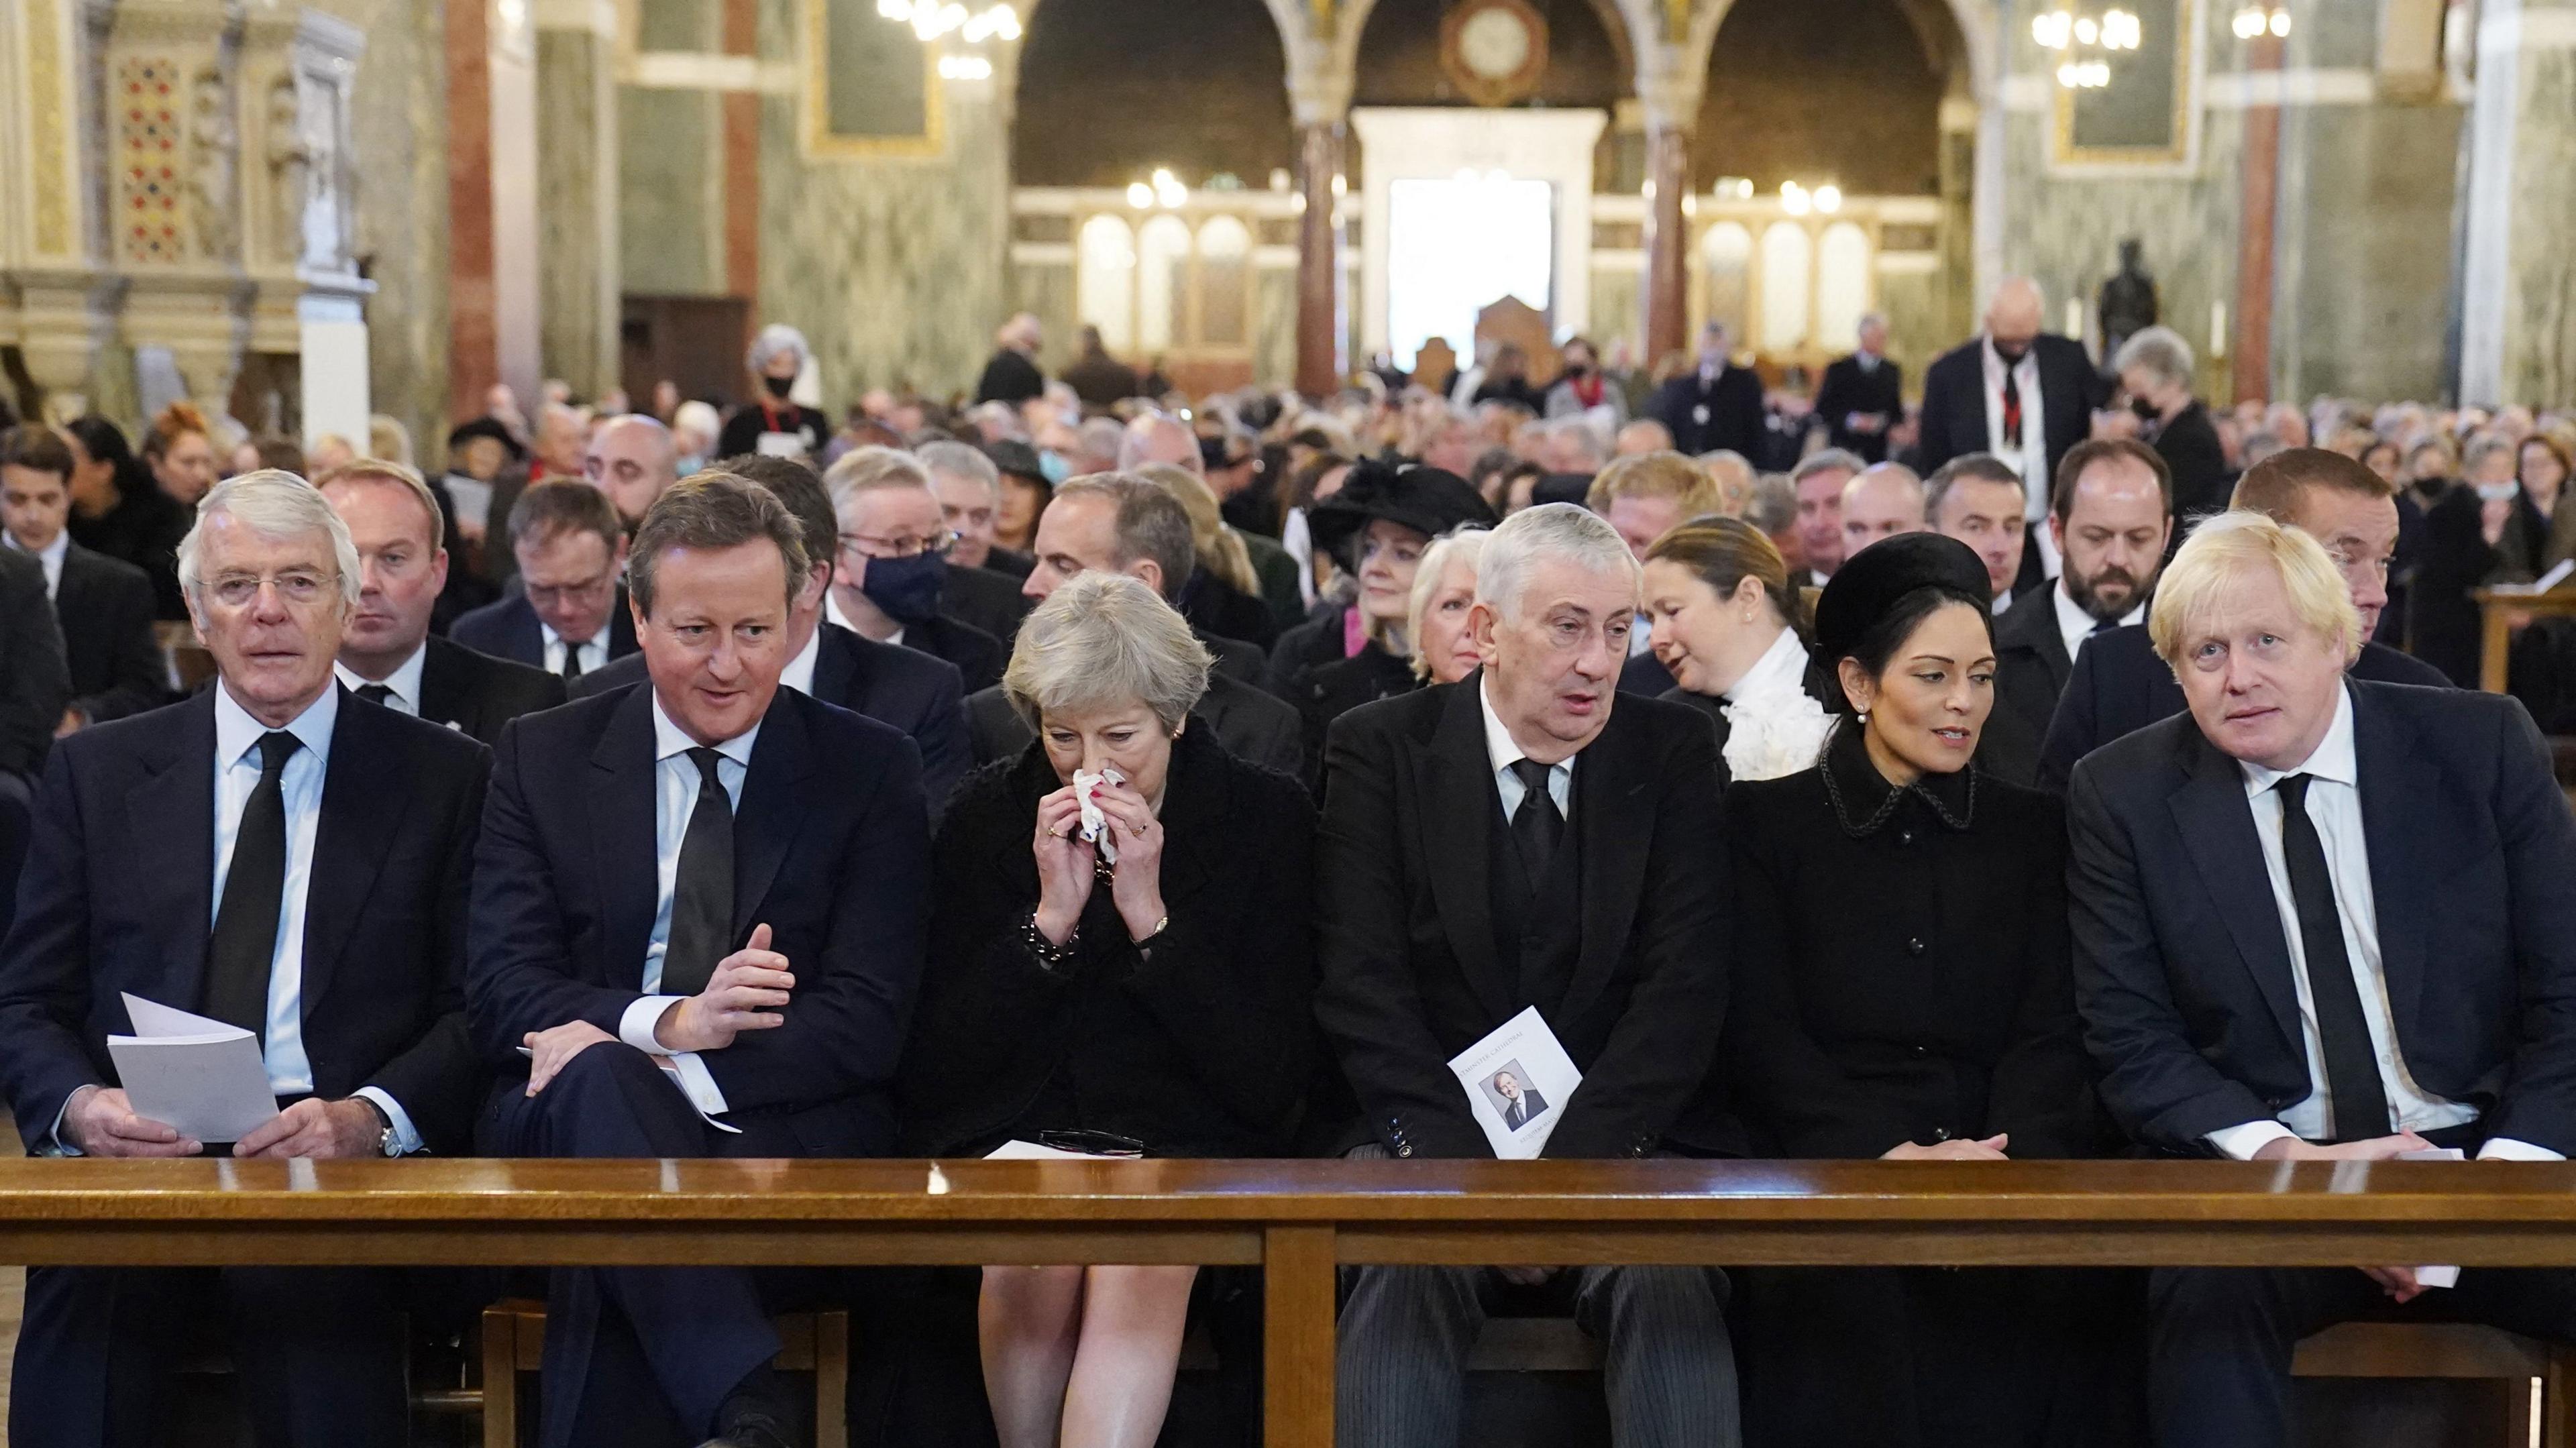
[2012, 352]
[779, 387]
[2146, 411]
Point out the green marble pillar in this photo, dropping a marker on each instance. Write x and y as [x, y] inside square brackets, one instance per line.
[2518, 308]
[578, 254]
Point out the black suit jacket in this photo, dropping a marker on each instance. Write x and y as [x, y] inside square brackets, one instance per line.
[903, 688]
[104, 606]
[2190, 447]
[1010, 377]
[1734, 403]
[2031, 670]
[477, 693]
[978, 656]
[1954, 400]
[1847, 389]
[2183, 968]
[2119, 686]
[1253, 725]
[1524, 1108]
[564, 896]
[34, 682]
[510, 630]
[1409, 967]
[988, 598]
[118, 896]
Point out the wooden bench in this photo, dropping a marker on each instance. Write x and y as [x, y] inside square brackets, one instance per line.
[1299, 1220]
[514, 1342]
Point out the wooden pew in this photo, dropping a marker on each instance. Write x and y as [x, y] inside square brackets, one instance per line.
[1298, 1219]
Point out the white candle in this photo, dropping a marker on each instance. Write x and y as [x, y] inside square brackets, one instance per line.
[2075, 317]
[2217, 329]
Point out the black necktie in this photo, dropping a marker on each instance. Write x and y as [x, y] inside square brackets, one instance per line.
[2352, 1065]
[2012, 410]
[245, 940]
[2103, 626]
[572, 661]
[1536, 825]
[375, 693]
[702, 895]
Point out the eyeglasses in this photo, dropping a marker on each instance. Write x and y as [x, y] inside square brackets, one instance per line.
[860, 545]
[297, 586]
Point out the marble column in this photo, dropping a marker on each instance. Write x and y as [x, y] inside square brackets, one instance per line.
[741, 156]
[1322, 362]
[2518, 322]
[492, 205]
[1668, 174]
[59, 298]
[578, 275]
[2259, 172]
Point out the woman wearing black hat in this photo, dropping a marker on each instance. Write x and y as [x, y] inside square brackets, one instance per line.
[1903, 990]
[1376, 526]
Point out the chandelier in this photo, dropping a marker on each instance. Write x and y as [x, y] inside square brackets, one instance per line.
[2254, 21]
[931, 19]
[2085, 44]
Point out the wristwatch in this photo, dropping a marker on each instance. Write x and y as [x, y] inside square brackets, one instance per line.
[385, 1144]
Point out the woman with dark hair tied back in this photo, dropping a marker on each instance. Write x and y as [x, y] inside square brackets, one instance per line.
[139, 509]
[1731, 628]
[1904, 990]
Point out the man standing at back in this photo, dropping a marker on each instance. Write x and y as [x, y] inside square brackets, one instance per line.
[1515, 841]
[2119, 685]
[685, 983]
[2318, 918]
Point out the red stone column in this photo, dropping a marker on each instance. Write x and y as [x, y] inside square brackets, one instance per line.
[2261, 171]
[742, 164]
[1667, 242]
[1322, 315]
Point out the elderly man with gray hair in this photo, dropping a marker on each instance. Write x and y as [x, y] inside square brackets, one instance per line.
[291, 860]
[1528, 838]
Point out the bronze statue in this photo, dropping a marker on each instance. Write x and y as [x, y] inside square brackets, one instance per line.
[2127, 302]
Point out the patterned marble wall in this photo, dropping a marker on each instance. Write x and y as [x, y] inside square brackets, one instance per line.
[1274, 326]
[670, 191]
[2366, 287]
[577, 213]
[1917, 305]
[894, 268]
[2540, 330]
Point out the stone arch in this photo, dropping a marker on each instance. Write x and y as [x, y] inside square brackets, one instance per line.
[1242, 71]
[1973, 54]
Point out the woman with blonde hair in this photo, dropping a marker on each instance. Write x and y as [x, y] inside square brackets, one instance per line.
[1222, 596]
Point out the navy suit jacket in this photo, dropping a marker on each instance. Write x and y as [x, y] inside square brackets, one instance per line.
[2183, 969]
[564, 895]
[905, 688]
[2118, 686]
[118, 896]
[509, 628]
[2071, 388]
[105, 608]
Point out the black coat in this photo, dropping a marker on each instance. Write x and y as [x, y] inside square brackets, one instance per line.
[2445, 626]
[1847, 390]
[1943, 1009]
[143, 529]
[564, 899]
[2190, 447]
[1214, 606]
[1954, 400]
[2031, 670]
[1704, 417]
[904, 689]
[35, 683]
[988, 598]
[1253, 725]
[104, 606]
[1010, 377]
[1411, 971]
[478, 694]
[743, 430]
[118, 896]
[2182, 963]
[1305, 648]
[1337, 688]
[509, 629]
[2119, 686]
[1197, 1046]
[978, 656]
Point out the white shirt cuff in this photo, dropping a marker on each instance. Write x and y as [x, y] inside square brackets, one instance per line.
[406, 1140]
[635, 1027]
[2505, 1148]
[55, 1142]
[2241, 1142]
[699, 1084]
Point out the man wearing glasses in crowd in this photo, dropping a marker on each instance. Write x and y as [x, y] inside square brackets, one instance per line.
[570, 616]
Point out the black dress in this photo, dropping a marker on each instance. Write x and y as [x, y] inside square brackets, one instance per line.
[2444, 624]
[1902, 970]
[144, 529]
[1199, 1045]
[1337, 688]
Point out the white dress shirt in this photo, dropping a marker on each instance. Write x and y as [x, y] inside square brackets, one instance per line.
[675, 798]
[799, 673]
[1503, 753]
[594, 654]
[832, 614]
[404, 681]
[2030, 459]
[2334, 807]
[51, 556]
[2074, 625]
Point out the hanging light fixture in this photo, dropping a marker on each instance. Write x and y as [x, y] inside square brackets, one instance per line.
[2253, 21]
[2086, 44]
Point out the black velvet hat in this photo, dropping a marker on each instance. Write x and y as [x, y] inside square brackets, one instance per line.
[1430, 501]
[1871, 582]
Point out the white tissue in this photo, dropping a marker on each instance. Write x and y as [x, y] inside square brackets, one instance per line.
[1095, 825]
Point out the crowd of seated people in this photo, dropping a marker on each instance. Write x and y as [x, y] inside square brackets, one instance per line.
[2061, 768]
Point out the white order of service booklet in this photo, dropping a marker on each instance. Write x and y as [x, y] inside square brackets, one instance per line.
[1517, 1080]
[201, 1077]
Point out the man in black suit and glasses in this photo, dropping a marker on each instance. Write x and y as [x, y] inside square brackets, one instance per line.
[279, 855]
[1509, 841]
[2318, 918]
[388, 655]
[698, 906]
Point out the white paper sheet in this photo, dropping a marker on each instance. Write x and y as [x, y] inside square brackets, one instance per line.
[201, 1077]
[2445, 1275]
[1031, 1151]
[1517, 1081]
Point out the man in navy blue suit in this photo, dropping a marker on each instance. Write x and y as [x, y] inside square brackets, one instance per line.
[916, 693]
[568, 615]
[284, 856]
[2318, 918]
[683, 982]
